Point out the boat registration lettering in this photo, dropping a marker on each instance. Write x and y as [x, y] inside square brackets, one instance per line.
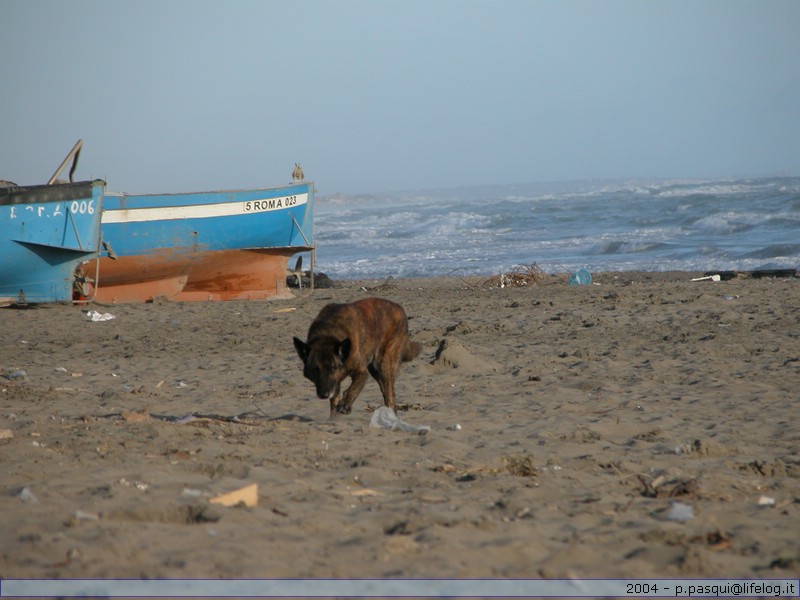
[82, 207]
[269, 203]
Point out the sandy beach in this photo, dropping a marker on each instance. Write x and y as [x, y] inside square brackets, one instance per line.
[642, 426]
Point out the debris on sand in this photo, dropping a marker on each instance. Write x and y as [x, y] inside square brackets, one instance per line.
[519, 276]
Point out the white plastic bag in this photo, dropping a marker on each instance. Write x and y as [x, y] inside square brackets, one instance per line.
[385, 418]
[96, 316]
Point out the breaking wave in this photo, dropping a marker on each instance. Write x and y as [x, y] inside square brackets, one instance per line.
[610, 226]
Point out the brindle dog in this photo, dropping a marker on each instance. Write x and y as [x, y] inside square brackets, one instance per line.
[367, 336]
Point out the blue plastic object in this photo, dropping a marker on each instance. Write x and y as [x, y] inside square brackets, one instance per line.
[581, 277]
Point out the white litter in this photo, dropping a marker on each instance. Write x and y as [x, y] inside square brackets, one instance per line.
[385, 418]
[96, 316]
[680, 512]
[26, 495]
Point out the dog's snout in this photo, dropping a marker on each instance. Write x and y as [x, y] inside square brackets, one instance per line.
[325, 390]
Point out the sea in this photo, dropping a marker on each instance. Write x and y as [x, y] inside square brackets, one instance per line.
[619, 225]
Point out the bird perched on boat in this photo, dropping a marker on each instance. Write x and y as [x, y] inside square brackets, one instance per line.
[297, 174]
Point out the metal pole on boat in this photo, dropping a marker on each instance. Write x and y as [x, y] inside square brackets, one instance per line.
[313, 265]
[73, 155]
[312, 248]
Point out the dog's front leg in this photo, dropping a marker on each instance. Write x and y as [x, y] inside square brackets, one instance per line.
[336, 399]
[351, 393]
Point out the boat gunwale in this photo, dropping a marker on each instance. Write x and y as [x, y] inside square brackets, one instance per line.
[299, 184]
[47, 194]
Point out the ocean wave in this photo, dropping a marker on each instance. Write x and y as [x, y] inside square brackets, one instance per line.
[730, 222]
[775, 251]
[620, 247]
[647, 225]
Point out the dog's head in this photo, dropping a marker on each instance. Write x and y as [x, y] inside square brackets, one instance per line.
[324, 363]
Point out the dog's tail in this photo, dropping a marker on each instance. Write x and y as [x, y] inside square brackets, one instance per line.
[412, 351]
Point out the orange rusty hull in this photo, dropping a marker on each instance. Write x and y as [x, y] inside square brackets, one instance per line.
[256, 274]
[200, 246]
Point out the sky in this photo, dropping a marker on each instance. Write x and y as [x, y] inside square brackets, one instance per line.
[376, 96]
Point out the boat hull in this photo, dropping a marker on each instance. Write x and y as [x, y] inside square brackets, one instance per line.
[204, 276]
[231, 245]
[47, 232]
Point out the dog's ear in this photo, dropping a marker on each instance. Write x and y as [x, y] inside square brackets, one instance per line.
[344, 348]
[302, 349]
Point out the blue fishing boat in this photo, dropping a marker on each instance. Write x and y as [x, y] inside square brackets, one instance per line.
[225, 245]
[47, 234]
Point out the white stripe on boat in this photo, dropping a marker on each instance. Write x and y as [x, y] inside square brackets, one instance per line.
[202, 211]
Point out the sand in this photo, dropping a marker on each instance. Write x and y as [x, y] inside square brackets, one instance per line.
[646, 426]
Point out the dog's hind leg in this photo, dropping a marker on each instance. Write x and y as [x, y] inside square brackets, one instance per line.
[385, 375]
